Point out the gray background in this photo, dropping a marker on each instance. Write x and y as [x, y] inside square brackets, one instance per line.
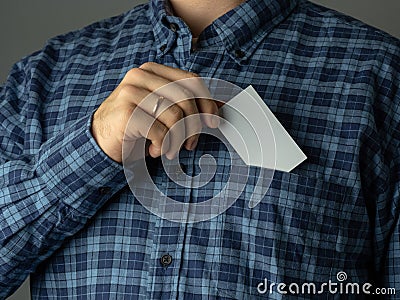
[25, 26]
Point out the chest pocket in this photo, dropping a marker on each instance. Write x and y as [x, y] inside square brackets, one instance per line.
[304, 230]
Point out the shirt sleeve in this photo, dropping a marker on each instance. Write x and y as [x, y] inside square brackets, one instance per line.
[380, 170]
[49, 189]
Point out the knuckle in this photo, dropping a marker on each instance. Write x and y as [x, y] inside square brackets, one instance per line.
[207, 105]
[176, 112]
[160, 129]
[187, 94]
[190, 107]
[193, 109]
[196, 81]
[199, 87]
[128, 91]
[135, 72]
[147, 65]
[193, 75]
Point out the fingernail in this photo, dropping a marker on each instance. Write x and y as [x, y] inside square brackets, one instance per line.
[171, 156]
[193, 145]
[209, 121]
[215, 121]
[189, 145]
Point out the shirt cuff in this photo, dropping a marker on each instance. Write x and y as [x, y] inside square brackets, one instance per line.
[77, 171]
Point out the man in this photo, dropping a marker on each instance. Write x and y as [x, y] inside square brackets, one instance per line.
[68, 218]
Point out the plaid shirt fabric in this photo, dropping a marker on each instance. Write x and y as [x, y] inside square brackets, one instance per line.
[68, 218]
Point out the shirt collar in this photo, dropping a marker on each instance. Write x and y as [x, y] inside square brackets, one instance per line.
[158, 12]
[239, 30]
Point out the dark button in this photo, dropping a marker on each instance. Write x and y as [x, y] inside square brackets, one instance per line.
[163, 47]
[104, 190]
[166, 260]
[239, 53]
[173, 27]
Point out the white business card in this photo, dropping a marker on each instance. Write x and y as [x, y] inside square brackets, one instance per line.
[257, 135]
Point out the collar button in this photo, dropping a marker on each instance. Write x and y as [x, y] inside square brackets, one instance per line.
[173, 27]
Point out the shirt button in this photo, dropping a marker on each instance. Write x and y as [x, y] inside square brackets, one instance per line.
[163, 47]
[166, 260]
[239, 53]
[173, 27]
[104, 190]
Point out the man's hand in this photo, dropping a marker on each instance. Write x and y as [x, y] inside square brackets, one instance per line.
[111, 118]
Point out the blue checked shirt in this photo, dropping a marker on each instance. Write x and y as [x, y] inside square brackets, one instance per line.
[68, 218]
